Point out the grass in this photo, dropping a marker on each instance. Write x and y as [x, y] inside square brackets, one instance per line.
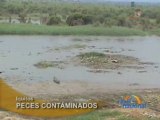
[109, 115]
[96, 60]
[155, 32]
[93, 59]
[92, 55]
[75, 46]
[46, 64]
[97, 115]
[28, 29]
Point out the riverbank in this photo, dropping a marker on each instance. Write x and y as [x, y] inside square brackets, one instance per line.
[28, 29]
[111, 109]
[76, 68]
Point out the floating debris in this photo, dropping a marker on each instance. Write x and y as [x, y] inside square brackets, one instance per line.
[92, 46]
[38, 53]
[142, 71]
[114, 61]
[14, 69]
[107, 50]
[134, 84]
[131, 50]
[55, 80]
[119, 73]
[46, 64]
[29, 54]
[77, 39]
[74, 46]
[98, 71]
[147, 63]
[156, 66]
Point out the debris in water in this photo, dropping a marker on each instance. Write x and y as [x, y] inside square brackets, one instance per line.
[156, 67]
[142, 71]
[14, 69]
[134, 84]
[55, 80]
[107, 50]
[29, 54]
[119, 73]
[114, 61]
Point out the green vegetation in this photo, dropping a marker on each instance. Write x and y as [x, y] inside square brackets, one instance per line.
[106, 61]
[46, 64]
[98, 115]
[28, 29]
[78, 19]
[70, 47]
[110, 115]
[92, 54]
[89, 19]
[155, 32]
[54, 20]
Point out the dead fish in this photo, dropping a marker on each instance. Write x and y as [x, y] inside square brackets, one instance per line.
[114, 61]
[119, 73]
[55, 80]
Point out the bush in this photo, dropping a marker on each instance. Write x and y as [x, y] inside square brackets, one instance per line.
[121, 21]
[158, 20]
[87, 20]
[96, 24]
[110, 22]
[54, 20]
[78, 19]
[145, 24]
[100, 18]
[22, 17]
[129, 23]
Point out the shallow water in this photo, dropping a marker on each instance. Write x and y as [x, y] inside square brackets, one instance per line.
[18, 54]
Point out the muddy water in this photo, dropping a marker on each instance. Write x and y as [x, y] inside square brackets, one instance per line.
[18, 54]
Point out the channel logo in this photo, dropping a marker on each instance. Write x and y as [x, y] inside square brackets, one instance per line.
[132, 101]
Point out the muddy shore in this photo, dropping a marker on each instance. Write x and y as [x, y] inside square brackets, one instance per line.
[75, 69]
[110, 102]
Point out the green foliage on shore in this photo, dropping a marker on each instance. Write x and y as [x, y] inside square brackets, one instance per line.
[71, 13]
[97, 115]
[108, 114]
[28, 29]
[69, 18]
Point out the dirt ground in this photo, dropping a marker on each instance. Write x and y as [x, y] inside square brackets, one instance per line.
[109, 100]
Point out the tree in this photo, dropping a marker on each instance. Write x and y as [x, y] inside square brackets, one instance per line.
[22, 17]
[87, 19]
[75, 19]
[2, 1]
[121, 21]
[158, 19]
[145, 23]
[54, 20]
[79, 19]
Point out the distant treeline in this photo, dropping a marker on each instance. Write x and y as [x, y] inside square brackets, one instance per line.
[74, 13]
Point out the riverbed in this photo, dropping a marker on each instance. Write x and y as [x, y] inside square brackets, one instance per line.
[19, 54]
